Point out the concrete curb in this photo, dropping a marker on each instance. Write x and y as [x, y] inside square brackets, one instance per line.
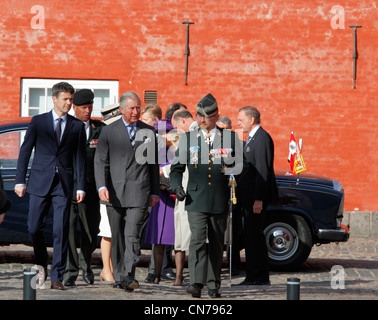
[363, 224]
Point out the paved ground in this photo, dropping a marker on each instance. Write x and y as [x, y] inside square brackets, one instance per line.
[354, 277]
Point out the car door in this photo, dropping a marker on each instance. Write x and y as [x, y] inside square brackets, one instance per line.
[14, 227]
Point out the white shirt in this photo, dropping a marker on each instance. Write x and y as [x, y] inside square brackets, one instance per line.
[86, 123]
[62, 124]
[253, 131]
[212, 132]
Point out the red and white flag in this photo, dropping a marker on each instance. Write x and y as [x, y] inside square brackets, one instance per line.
[292, 151]
[295, 157]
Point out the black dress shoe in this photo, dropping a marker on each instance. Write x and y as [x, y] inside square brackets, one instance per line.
[214, 293]
[88, 277]
[169, 276]
[150, 278]
[131, 283]
[253, 283]
[245, 282]
[235, 272]
[260, 283]
[70, 282]
[194, 290]
[119, 285]
[57, 285]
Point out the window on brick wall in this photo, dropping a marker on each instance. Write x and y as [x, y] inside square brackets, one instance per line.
[37, 94]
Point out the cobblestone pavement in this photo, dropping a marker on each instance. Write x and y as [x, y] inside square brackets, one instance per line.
[320, 278]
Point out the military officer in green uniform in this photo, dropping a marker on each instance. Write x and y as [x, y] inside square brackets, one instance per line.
[211, 155]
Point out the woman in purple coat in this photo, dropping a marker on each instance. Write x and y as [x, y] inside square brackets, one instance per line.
[160, 227]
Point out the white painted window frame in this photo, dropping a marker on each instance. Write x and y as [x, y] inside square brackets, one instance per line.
[27, 83]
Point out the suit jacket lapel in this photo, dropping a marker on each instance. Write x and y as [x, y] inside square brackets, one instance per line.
[137, 142]
[124, 131]
[69, 124]
[121, 132]
[92, 131]
[217, 142]
[122, 136]
[140, 125]
[50, 126]
[255, 136]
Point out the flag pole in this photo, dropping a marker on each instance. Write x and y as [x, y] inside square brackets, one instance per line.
[295, 158]
[232, 184]
[300, 141]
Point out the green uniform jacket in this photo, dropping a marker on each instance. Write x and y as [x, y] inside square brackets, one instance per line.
[208, 189]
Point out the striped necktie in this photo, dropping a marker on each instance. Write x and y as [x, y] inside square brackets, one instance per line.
[248, 141]
[58, 130]
[132, 136]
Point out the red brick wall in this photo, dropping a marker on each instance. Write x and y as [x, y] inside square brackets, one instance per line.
[283, 57]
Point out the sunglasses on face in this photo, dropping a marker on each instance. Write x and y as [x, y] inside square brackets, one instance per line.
[200, 116]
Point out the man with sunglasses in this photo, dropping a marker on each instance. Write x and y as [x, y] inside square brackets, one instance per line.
[211, 154]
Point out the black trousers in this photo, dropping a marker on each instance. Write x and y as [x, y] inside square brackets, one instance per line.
[256, 252]
[87, 213]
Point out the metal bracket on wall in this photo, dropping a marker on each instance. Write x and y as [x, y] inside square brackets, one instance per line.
[355, 53]
[187, 52]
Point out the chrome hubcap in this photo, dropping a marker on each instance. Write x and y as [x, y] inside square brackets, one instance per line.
[281, 241]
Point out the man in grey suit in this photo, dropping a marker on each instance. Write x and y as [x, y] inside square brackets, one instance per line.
[127, 177]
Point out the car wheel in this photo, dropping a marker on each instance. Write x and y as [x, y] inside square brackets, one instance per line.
[288, 240]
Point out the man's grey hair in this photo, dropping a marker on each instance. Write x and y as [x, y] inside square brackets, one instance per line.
[128, 95]
[251, 112]
[225, 120]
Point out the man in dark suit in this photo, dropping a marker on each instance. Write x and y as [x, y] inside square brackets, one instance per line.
[127, 177]
[57, 138]
[210, 154]
[87, 211]
[257, 188]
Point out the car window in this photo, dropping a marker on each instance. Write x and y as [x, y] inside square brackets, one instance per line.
[10, 143]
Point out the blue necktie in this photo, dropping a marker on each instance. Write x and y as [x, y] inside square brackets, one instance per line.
[58, 130]
[132, 136]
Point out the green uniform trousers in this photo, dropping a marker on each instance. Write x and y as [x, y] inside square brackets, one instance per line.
[206, 248]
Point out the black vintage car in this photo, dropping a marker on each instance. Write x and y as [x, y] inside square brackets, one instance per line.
[309, 211]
